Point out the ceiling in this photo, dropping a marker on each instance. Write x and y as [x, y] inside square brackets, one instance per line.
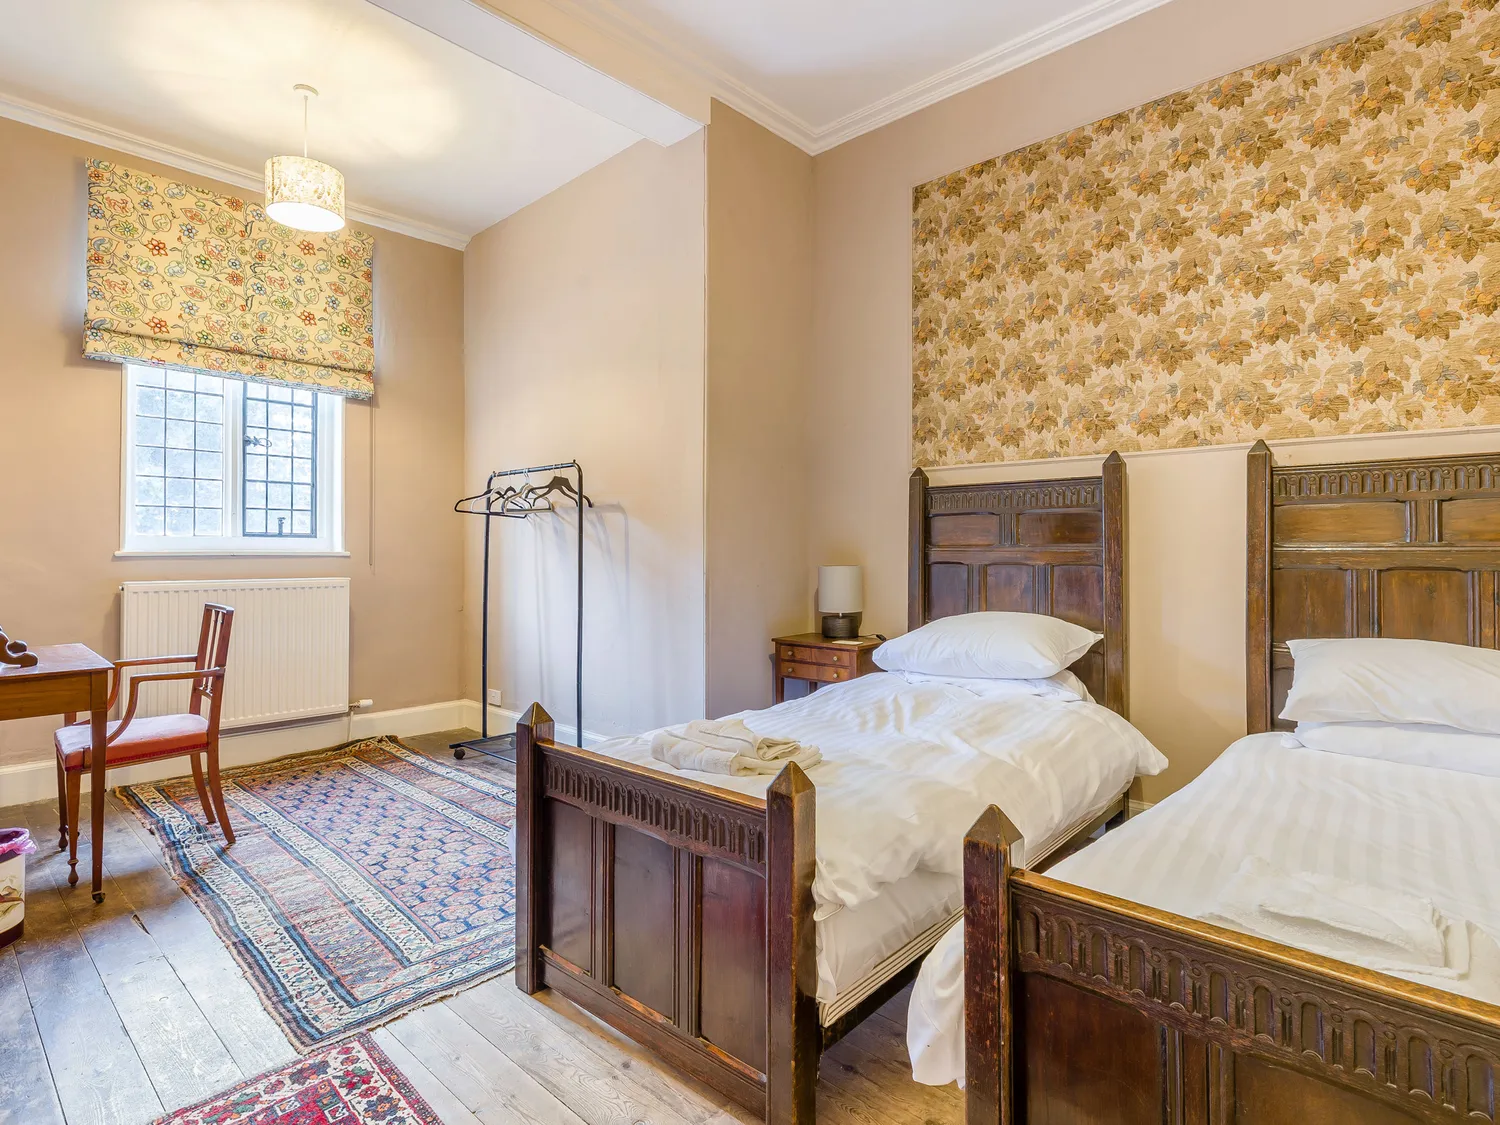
[819, 72]
[445, 117]
[431, 138]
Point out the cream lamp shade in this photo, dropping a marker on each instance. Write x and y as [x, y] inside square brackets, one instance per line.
[841, 589]
[841, 597]
[304, 194]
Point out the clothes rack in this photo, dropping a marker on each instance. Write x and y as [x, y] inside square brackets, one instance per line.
[504, 497]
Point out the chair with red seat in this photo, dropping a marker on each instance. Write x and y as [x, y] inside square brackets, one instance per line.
[131, 741]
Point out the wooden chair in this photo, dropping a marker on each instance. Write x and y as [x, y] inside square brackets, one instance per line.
[131, 741]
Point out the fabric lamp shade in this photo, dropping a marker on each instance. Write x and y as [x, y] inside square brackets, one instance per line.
[841, 589]
[304, 194]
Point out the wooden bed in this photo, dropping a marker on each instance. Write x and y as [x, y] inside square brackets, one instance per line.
[1081, 1007]
[682, 914]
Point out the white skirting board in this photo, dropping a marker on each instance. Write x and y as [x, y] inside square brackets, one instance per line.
[37, 781]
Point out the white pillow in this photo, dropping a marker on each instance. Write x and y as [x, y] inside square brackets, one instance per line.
[1412, 744]
[1387, 680]
[1064, 687]
[991, 646]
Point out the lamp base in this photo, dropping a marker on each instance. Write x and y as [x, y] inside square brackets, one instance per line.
[841, 626]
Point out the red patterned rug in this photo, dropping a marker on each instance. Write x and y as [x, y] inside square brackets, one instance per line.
[350, 1083]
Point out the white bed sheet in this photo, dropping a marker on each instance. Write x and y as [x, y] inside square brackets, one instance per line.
[862, 947]
[907, 768]
[1390, 826]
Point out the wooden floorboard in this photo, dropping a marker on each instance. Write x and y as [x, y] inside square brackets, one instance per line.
[569, 1070]
[489, 1084]
[109, 1015]
[200, 960]
[99, 1076]
[176, 1043]
[444, 1102]
[29, 1096]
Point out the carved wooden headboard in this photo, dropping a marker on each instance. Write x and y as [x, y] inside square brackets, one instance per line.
[1040, 546]
[1366, 549]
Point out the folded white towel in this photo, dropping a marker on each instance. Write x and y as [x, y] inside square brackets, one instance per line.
[734, 737]
[1385, 930]
[728, 747]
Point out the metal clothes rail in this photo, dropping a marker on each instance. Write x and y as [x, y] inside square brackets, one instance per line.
[504, 497]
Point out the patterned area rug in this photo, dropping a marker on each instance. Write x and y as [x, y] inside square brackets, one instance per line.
[350, 1083]
[365, 880]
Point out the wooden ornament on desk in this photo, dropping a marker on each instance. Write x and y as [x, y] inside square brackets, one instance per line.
[15, 652]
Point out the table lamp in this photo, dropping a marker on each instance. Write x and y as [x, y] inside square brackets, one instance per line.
[841, 598]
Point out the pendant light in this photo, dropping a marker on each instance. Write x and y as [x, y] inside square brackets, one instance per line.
[303, 193]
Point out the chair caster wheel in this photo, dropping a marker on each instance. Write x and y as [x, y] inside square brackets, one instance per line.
[459, 753]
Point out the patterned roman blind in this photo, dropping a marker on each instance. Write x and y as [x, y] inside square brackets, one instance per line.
[183, 277]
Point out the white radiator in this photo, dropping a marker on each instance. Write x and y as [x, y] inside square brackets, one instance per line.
[288, 650]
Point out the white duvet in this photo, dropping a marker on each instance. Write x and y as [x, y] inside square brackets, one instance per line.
[1402, 839]
[908, 767]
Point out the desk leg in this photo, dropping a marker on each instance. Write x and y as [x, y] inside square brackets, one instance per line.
[98, 720]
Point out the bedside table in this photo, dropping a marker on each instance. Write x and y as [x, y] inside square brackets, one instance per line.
[818, 660]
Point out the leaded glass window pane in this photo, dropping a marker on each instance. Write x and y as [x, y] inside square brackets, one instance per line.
[178, 456]
[281, 444]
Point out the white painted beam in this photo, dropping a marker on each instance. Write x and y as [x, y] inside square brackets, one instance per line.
[572, 59]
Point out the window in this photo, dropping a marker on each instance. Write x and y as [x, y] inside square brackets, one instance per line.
[222, 466]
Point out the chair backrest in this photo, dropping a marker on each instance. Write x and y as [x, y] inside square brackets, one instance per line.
[213, 652]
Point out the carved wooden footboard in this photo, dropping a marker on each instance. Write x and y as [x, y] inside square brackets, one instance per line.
[679, 913]
[1081, 1007]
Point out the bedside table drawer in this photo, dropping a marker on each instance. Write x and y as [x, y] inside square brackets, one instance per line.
[819, 660]
[807, 654]
[820, 673]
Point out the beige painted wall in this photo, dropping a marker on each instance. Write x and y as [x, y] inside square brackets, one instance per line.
[584, 316]
[759, 339]
[60, 465]
[1186, 584]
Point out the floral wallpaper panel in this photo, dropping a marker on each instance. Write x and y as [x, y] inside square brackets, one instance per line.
[1307, 247]
[185, 277]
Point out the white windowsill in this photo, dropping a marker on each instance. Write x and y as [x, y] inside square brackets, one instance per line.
[231, 554]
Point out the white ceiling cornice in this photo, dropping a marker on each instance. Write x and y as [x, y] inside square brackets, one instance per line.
[94, 132]
[1098, 16]
[1063, 32]
[611, 21]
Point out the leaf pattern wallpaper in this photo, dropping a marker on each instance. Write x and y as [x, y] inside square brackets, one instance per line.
[1308, 247]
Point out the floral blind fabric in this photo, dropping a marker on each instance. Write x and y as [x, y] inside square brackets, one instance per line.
[1308, 247]
[184, 277]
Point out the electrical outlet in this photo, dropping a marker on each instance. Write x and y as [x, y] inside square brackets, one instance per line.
[495, 697]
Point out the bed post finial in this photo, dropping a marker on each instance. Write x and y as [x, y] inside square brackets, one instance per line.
[989, 1004]
[916, 566]
[1258, 590]
[795, 1037]
[534, 727]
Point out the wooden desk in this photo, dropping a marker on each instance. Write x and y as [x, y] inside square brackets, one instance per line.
[67, 678]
